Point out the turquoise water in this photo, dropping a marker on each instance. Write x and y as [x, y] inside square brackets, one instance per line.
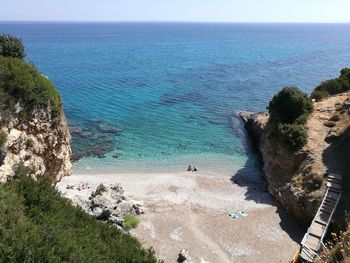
[173, 88]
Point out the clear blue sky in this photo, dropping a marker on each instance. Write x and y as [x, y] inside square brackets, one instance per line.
[178, 10]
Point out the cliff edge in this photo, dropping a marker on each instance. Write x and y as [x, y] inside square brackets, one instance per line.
[41, 143]
[33, 130]
[297, 178]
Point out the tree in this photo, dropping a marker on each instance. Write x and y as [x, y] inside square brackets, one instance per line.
[11, 47]
[290, 104]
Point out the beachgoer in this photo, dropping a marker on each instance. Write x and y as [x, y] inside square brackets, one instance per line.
[195, 169]
[189, 168]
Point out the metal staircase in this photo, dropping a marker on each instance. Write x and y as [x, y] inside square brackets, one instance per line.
[312, 242]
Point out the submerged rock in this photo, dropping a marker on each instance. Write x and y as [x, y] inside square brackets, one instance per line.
[93, 138]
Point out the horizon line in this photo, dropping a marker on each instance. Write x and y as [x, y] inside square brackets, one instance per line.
[169, 21]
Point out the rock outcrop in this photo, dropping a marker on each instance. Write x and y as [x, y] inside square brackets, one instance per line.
[39, 140]
[296, 179]
[183, 256]
[108, 203]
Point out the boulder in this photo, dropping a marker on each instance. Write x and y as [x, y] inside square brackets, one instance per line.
[108, 203]
[183, 256]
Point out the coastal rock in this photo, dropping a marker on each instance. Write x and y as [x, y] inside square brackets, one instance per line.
[108, 203]
[296, 179]
[40, 141]
[183, 256]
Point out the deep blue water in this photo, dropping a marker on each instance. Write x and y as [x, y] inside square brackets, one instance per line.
[173, 87]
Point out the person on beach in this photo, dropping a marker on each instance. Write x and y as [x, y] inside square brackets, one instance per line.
[189, 168]
[195, 169]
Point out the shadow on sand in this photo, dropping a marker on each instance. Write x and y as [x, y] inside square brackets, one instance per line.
[251, 178]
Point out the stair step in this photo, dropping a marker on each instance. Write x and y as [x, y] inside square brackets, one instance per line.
[326, 211]
[329, 203]
[333, 185]
[321, 223]
[334, 180]
[335, 176]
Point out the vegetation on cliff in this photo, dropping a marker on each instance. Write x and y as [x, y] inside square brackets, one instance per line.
[22, 82]
[333, 86]
[339, 249]
[289, 110]
[37, 225]
[11, 47]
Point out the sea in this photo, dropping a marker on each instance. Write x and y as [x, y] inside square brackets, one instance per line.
[157, 97]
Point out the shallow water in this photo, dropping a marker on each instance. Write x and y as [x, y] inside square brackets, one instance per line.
[173, 88]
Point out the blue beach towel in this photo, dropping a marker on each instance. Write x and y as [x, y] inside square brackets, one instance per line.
[235, 215]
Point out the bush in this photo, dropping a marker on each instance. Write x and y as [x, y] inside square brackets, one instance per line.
[3, 138]
[37, 225]
[30, 143]
[11, 47]
[335, 117]
[318, 95]
[130, 221]
[294, 136]
[20, 81]
[333, 86]
[302, 119]
[288, 105]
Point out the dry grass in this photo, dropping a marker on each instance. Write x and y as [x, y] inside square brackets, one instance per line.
[339, 249]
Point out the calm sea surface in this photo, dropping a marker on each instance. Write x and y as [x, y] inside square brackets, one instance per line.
[172, 89]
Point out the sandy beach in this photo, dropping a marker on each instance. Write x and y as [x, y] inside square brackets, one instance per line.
[190, 210]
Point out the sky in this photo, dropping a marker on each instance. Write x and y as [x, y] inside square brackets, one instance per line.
[297, 11]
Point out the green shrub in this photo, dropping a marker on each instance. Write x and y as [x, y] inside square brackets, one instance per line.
[333, 86]
[130, 221]
[294, 136]
[302, 119]
[335, 117]
[3, 138]
[11, 47]
[23, 116]
[288, 105]
[330, 124]
[29, 143]
[20, 81]
[318, 95]
[37, 225]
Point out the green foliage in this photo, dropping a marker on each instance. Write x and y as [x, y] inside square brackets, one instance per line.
[333, 86]
[318, 95]
[3, 138]
[130, 221]
[11, 47]
[335, 117]
[290, 104]
[294, 136]
[37, 225]
[29, 143]
[20, 81]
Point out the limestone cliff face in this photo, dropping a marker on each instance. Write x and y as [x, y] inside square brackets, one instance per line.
[296, 179]
[40, 141]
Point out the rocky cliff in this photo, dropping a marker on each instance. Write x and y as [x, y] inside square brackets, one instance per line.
[40, 141]
[296, 178]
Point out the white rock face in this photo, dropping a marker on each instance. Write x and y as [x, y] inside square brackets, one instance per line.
[41, 142]
[107, 203]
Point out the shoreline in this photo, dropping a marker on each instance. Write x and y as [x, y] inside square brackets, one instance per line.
[190, 210]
